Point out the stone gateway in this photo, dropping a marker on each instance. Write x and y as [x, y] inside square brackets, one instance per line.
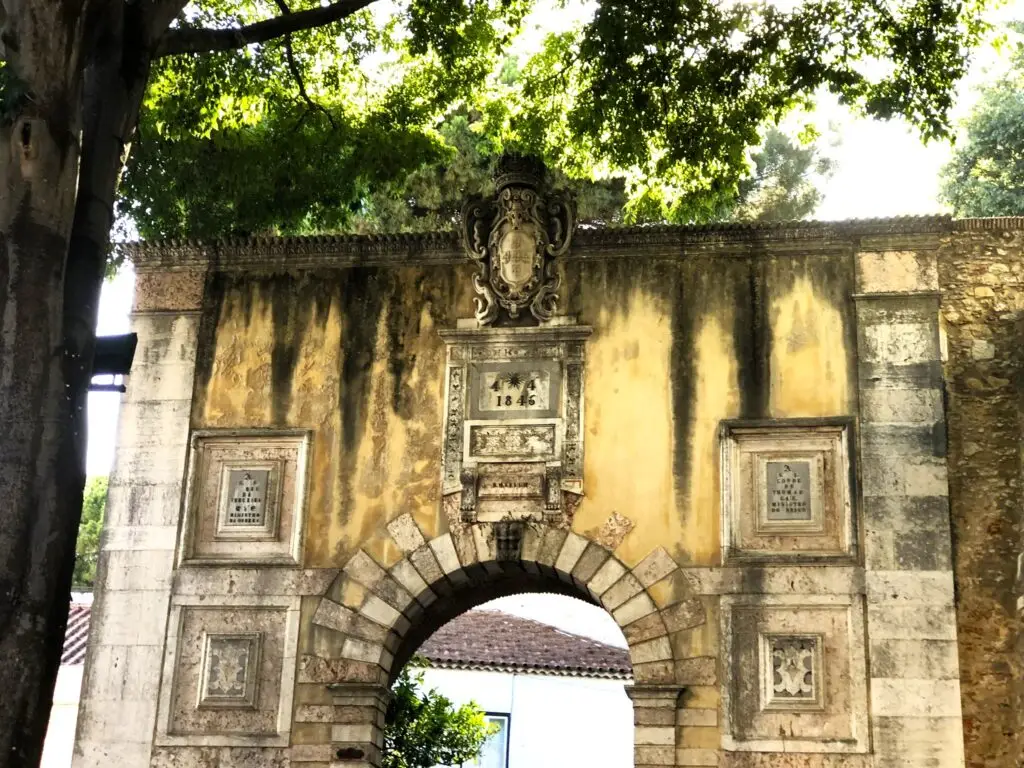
[784, 458]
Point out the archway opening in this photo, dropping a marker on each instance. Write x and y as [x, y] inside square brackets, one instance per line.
[378, 613]
[548, 669]
[478, 586]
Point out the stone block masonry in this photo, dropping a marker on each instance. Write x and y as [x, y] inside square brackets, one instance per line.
[981, 274]
[882, 362]
[129, 619]
[915, 709]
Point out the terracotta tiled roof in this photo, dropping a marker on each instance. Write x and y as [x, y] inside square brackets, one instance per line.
[486, 639]
[77, 634]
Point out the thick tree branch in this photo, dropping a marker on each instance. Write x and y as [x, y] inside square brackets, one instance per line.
[296, 72]
[200, 40]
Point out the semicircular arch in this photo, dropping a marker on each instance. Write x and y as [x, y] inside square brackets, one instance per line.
[377, 614]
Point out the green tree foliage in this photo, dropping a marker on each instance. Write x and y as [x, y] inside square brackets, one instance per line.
[659, 100]
[88, 546]
[424, 729]
[781, 185]
[986, 174]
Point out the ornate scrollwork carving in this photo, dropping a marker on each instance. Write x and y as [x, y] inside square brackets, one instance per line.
[514, 239]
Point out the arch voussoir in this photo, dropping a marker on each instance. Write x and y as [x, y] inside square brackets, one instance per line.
[378, 612]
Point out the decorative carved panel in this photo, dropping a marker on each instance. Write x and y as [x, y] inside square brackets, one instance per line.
[786, 491]
[245, 497]
[513, 446]
[229, 672]
[514, 238]
[794, 673]
[791, 672]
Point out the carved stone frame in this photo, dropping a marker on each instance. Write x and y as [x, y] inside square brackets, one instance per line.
[255, 545]
[562, 473]
[797, 439]
[223, 604]
[806, 616]
[247, 700]
[769, 701]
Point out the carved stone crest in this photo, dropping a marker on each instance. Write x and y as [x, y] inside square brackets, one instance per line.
[514, 238]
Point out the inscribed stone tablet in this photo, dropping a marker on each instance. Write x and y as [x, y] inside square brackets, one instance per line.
[248, 503]
[520, 390]
[788, 485]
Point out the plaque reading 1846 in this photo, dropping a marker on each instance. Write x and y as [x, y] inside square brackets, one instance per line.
[788, 487]
[506, 390]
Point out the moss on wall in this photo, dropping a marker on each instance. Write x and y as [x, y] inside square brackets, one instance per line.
[354, 355]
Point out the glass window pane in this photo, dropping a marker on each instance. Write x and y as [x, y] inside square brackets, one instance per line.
[495, 751]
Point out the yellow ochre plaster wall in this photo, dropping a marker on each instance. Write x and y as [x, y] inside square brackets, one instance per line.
[354, 355]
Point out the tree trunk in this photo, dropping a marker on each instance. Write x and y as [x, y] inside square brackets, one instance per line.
[48, 310]
[40, 509]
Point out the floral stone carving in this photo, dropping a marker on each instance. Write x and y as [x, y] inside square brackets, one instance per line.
[229, 670]
[793, 668]
[513, 238]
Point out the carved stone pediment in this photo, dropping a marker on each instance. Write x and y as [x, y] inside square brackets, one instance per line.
[513, 237]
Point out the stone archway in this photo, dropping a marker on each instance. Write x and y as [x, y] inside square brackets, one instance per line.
[373, 618]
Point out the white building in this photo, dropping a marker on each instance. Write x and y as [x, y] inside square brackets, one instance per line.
[559, 698]
[550, 691]
[60, 733]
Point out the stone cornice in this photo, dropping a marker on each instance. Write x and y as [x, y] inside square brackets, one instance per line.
[667, 242]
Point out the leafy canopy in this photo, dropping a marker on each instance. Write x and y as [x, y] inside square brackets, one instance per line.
[782, 185]
[89, 529]
[986, 174]
[423, 728]
[295, 133]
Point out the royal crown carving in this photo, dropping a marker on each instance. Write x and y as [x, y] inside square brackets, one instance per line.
[514, 239]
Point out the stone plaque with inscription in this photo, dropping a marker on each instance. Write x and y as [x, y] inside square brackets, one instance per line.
[523, 389]
[788, 484]
[786, 490]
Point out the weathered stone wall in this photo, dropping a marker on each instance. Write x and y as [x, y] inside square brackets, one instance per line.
[134, 577]
[677, 346]
[981, 273]
[324, 358]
